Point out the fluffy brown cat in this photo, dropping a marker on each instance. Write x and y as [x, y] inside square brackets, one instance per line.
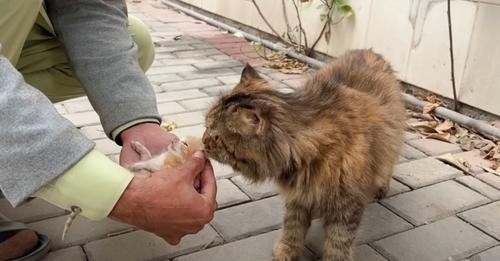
[330, 146]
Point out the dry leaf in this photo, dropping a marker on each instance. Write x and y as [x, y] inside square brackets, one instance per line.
[444, 126]
[461, 164]
[495, 124]
[169, 126]
[429, 107]
[439, 136]
[238, 34]
[279, 60]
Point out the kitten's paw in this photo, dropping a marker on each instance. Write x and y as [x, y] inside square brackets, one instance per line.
[143, 152]
[283, 252]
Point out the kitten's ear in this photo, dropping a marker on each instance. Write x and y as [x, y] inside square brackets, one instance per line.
[249, 73]
[251, 120]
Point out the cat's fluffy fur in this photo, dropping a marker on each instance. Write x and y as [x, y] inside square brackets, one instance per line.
[330, 146]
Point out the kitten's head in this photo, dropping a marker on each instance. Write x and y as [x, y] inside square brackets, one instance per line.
[245, 129]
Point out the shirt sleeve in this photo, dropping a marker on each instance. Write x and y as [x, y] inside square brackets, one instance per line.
[94, 185]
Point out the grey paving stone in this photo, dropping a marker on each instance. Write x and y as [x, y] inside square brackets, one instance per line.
[249, 219]
[218, 64]
[220, 57]
[189, 84]
[490, 178]
[173, 48]
[255, 191]
[179, 61]
[202, 46]
[364, 252]
[197, 53]
[179, 95]
[232, 79]
[377, 222]
[198, 104]
[208, 73]
[93, 132]
[423, 172]
[164, 78]
[66, 254]
[33, 210]
[228, 194]
[166, 69]
[486, 218]
[165, 56]
[411, 153]
[186, 119]
[447, 239]
[434, 147]
[492, 254]
[407, 135]
[218, 90]
[480, 187]
[141, 245]
[475, 159]
[169, 108]
[396, 187]
[195, 131]
[77, 106]
[257, 248]
[60, 108]
[107, 147]
[81, 231]
[434, 202]
[222, 171]
[83, 118]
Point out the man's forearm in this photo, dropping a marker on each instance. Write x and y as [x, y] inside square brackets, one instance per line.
[104, 57]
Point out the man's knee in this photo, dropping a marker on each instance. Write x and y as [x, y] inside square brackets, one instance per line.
[140, 34]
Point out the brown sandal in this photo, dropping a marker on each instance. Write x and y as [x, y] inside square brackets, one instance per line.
[19, 243]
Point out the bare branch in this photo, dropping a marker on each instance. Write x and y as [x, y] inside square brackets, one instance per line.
[302, 31]
[267, 22]
[452, 58]
[287, 22]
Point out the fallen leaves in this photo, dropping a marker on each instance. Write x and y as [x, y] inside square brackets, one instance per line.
[279, 60]
[169, 126]
[429, 107]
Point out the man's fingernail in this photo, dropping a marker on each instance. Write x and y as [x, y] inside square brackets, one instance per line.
[199, 154]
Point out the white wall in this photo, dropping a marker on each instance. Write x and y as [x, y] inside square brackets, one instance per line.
[411, 34]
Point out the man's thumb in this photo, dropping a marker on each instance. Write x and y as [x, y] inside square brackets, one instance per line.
[195, 164]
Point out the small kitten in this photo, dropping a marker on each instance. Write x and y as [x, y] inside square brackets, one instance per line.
[330, 146]
[173, 157]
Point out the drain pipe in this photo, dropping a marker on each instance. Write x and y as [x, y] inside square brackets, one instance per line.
[411, 101]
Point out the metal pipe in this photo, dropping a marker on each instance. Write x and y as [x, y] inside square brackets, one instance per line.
[476, 125]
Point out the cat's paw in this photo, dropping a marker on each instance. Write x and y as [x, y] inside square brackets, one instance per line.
[283, 252]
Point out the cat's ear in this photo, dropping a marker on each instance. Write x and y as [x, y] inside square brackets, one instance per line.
[250, 119]
[249, 73]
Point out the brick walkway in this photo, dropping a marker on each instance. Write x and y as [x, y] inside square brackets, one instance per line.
[433, 212]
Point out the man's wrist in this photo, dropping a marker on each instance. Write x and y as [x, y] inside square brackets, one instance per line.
[137, 130]
[126, 206]
[116, 134]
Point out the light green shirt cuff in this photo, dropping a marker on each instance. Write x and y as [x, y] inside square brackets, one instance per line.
[129, 124]
[94, 185]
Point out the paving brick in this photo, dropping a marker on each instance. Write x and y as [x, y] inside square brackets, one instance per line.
[396, 187]
[492, 254]
[60, 108]
[222, 171]
[191, 84]
[257, 248]
[377, 222]
[170, 108]
[165, 56]
[364, 252]
[434, 202]
[196, 131]
[141, 245]
[217, 64]
[202, 46]
[107, 146]
[163, 78]
[81, 231]
[220, 57]
[77, 106]
[83, 118]
[447, 239]
[480, 187]
[434, 147]
[179, 61]
[197, 53]
[232, 79]
[179, 95]
[72, 253]
[249, 219]
[186, 119]
[255, 191]
[93, 132]
[218, 90]
[490, 178]
[33, 210]
[174, 48]
[198, 104]
[485, 218]
[208, 73]
[228, 194]
[411, 153]
[474, 159]
[170, 69]
[423, 172]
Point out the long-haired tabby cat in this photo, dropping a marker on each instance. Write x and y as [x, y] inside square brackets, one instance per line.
[330, 146]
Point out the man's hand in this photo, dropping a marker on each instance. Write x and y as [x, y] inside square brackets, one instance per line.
[167, 204]
[151, 135]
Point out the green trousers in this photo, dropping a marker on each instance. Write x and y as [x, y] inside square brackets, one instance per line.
[30, 43]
